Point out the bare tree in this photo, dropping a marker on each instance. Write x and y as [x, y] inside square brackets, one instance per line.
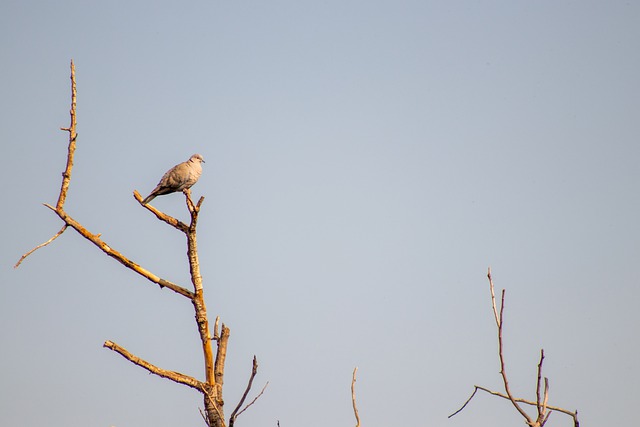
[214, 362]
[543, 409]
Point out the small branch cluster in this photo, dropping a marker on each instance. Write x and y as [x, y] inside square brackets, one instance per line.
[542, 391]
[211, 387]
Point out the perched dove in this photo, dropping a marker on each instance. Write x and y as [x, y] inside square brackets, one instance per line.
[178, 178]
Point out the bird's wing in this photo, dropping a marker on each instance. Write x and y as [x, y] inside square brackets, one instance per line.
[176, 177]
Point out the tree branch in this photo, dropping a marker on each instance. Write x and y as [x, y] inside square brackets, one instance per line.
[69, 221]
[254, 399]
[493, 299]
[541, 408]
[95, 239]
[542, 398]
[55, 236]
[170, 375]
[503, 371]
[466, 402]
[161, 215]
[574, 415]
[221, 356]
[66, 175]
[235, 413]
[353, 396]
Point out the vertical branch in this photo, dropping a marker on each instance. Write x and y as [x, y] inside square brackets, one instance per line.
[493, 299]
[539, 404]
[214, 370]
[198, 299]
[213, 401]
[502, 362]
[221, 356]
[353, 397]
[66, 175]
[545, 400]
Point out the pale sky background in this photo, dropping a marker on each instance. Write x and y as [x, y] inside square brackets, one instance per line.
[366, 162]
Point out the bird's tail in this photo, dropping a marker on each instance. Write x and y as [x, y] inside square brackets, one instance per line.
[149, 198]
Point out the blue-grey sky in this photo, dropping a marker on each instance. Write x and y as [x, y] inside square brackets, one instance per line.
[366, 161]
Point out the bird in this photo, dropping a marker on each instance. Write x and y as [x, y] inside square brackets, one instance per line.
[181, 177]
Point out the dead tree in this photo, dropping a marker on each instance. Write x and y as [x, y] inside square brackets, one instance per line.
[543, 409]
[214, 363]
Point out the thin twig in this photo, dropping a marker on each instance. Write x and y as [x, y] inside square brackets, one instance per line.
[503, 371]
[202, 414]
[254, 371]
[254, 399]
[22, 258]
[493, 299]
[353, 396]
[519, 400]
[475, 389]
[544, 402]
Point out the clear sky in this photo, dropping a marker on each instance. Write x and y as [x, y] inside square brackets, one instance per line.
[366, 161]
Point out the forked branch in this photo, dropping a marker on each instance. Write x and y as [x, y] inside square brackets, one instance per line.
[237, 411]
[573, 414]
[542, 392]
[70, 222]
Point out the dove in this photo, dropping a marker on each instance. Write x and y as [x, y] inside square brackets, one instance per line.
[179, 178]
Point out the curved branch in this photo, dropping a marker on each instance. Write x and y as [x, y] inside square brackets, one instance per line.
[353, 397]
[55, 236]
[574, 415]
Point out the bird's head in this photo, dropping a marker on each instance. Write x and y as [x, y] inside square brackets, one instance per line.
[197, 158]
